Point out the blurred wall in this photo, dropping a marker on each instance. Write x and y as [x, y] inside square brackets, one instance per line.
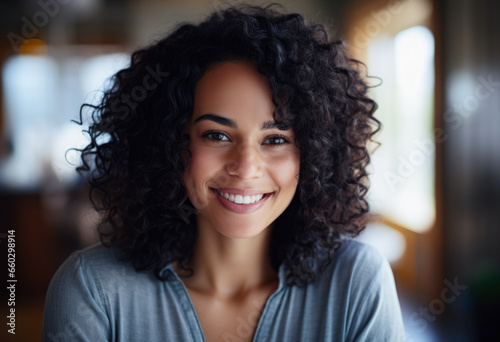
[471, 89]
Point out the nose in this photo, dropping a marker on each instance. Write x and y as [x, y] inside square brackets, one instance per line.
[246, 162]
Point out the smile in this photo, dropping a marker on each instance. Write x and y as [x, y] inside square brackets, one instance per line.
[241, 203]
[239, 199]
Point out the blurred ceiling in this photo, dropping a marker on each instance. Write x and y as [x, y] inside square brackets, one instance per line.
[131, 21]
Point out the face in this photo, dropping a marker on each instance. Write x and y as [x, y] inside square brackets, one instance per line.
[243, 171]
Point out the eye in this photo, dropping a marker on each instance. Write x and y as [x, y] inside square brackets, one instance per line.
[276, 140]
[216, 136]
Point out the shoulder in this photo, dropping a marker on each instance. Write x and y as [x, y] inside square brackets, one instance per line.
[95, 296]
[353, 249]
[95, 271]
[77, 296]
[358, 260]
[361, 278]
[357, 276]
[94, 253]
[96, 260]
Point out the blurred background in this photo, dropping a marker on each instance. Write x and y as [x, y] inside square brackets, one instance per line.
[435, 193]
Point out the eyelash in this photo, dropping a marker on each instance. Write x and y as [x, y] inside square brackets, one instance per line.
[276, 136]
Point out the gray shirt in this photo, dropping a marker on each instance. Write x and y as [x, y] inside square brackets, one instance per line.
[95, 297]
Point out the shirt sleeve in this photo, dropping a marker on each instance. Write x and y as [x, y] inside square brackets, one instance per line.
[74, 310]
[375, 312]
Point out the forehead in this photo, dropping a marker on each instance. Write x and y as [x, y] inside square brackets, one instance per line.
[233, 89]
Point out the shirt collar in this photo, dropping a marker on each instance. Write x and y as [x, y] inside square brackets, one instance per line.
[169, 274]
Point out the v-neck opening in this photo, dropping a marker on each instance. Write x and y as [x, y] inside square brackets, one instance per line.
[258, 329]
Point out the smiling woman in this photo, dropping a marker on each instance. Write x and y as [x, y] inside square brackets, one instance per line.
[229, 194]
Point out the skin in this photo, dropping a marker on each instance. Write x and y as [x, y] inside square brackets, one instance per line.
[233, 276]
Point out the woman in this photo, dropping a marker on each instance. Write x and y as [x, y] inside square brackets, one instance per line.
[229, 164]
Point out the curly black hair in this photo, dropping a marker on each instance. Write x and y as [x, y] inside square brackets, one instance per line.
[137, 150]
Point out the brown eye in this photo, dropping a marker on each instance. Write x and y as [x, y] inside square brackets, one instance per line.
[276, 140]
[216, 136]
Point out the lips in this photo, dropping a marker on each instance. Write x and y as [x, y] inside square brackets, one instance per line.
[239, 202]
[239, 199]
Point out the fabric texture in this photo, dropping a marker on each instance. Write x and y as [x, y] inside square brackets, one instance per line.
[95, 297]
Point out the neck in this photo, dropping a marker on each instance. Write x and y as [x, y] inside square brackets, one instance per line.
[226, 267]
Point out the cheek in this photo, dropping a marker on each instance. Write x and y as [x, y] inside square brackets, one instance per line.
[202, 167]
[285, 170]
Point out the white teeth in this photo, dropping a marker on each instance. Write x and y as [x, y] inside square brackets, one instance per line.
[238, 199]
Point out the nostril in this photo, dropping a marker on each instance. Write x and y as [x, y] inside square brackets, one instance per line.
[232, 166]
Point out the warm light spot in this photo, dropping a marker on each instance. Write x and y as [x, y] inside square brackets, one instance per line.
[389, 242]
[33, 47]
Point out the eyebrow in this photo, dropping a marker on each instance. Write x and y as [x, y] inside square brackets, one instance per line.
[230, 123]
